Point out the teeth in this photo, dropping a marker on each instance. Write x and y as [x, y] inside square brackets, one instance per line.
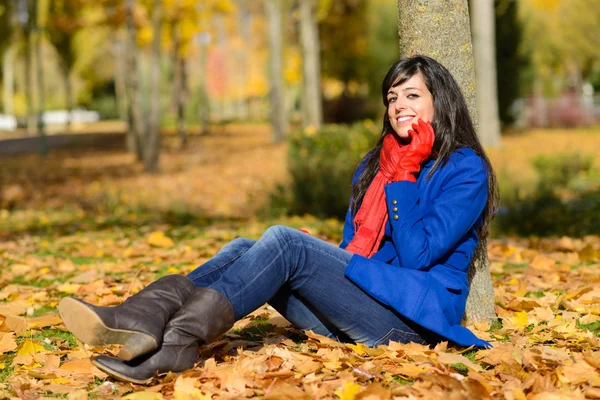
[404, 119]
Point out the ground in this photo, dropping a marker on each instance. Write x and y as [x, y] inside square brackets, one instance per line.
[89, 223]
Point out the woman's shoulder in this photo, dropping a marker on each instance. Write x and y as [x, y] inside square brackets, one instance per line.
[466, 156]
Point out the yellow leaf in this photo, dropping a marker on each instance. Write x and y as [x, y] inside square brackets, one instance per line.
[29, 347]
[144, 396]
[358, 348]
[348, 391]
[69, 288]
[520, 320]
[159, 239]
[185, 389]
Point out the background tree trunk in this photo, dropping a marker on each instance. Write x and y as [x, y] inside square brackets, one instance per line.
[68, 95]
[8, 77]
[278, 117]
[440, 29]
[311, 64]
[40, 80]
[30, 123]
[120, 85]
[134, 103]
[179, 86]
[152, 139]
[484, 45]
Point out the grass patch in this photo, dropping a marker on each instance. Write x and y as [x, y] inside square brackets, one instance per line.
[45, 309]
[461, 368]
[594, 327]
[259, 328]
[402, 381]
[537, 294]
[6, 360]
[55, 335]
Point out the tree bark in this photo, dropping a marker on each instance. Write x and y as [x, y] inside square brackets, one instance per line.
[179, 86]
[30, 123]
[68, 95]
[152, 139]
[8, 60]
[440, 29]
[134, 104]
[278, 117]
[120, 85]
[484, 46]
[40, 81]
[311, 64]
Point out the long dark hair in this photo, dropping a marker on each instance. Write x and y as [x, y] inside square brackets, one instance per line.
[451, 122]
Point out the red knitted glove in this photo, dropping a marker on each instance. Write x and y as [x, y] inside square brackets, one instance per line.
[419, 150]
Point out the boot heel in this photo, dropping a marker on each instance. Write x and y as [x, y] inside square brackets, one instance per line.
[137, 345]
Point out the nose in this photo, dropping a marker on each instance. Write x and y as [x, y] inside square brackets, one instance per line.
[399, 105]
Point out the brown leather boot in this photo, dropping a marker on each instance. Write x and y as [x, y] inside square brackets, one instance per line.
[207, 315]
[138, 323]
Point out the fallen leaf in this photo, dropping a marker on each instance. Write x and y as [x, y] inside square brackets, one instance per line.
[159, 239]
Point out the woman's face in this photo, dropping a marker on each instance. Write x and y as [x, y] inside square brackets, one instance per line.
[407, 103]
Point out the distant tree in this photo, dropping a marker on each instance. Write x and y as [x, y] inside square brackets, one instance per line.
[441, 29]
[7, 51]
[64, 22]
[511, 62]
[484, 42]
[278, 113]
[151, 143]
[311, 64]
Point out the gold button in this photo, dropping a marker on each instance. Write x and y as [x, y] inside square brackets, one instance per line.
[394, 201]
[395, 209]
[395, 218]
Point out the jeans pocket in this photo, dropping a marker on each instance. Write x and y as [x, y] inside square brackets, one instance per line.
[397, 335]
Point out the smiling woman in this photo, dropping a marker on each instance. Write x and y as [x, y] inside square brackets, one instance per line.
[409, 100]
[421, 200]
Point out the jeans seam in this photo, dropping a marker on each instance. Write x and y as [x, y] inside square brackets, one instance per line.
[211, 270]
[403, 334]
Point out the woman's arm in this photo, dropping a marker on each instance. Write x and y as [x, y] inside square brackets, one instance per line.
[423, 236]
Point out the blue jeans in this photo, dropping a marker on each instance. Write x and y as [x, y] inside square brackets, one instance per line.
[302, 277]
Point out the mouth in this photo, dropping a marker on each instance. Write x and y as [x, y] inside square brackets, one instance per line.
[404, 119]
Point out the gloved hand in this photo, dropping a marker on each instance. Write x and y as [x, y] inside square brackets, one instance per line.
[419, 150]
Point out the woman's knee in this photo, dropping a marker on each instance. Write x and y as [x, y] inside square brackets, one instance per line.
[281, 233]
[242, 242]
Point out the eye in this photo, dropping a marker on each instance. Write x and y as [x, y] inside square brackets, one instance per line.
[391, 100]
[413, 96]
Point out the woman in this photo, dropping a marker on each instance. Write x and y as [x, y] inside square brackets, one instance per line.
[421, 199]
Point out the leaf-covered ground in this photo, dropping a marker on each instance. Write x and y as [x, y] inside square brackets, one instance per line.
[87, 229]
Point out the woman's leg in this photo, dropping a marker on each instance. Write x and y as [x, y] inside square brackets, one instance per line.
[314, 272]
[284, 301]
[211, 270]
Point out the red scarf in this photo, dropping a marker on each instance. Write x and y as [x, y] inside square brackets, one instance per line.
[370, 220]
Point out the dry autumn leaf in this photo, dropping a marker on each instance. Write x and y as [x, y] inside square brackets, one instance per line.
[159, 239]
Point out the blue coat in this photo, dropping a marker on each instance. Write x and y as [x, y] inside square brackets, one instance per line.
[421, 267]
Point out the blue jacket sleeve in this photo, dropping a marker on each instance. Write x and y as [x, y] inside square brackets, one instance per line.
[422, 237]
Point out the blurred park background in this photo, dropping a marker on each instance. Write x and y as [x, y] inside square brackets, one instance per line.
[180, 112]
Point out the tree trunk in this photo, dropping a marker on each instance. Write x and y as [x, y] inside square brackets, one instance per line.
[484, 46]
[152, 139]
[30, 123]
[440, 29]
[311, 64]
[179, 86]
[278, 117]
[120, 85]
[8, 60]
[134, 104]
[69, 96]
[40, 81]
